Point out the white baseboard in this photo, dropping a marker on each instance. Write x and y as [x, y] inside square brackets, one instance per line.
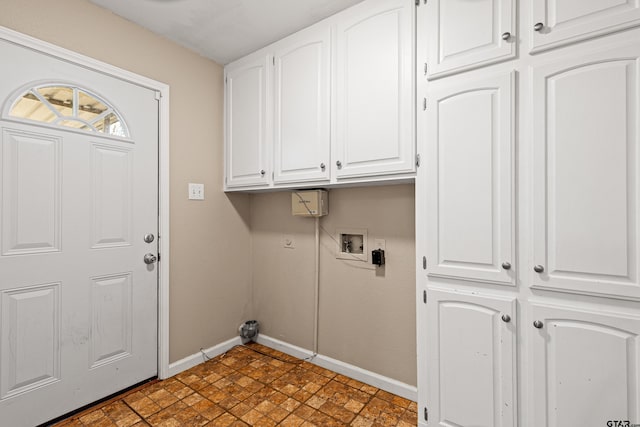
[385, 383]
[197, 358]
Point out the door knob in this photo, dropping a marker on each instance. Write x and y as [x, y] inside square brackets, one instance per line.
[339, 164]
[506, 265]
[150, 259]
[148, 238]
[262, 172]
[538, 268]
[506, 318]
[506, 36]
[538, 27]
[322, 166]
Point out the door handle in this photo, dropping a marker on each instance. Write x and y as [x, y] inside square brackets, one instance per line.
[150, 259]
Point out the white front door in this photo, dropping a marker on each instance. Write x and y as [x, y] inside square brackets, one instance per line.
[78, 304]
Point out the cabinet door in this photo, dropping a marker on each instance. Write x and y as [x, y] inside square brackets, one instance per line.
[566, 21]
[584, 366]
[301, 116]
[469, 191]
[585, 229]
[374, 97]
[471, 360]
[465, 34]
[247, 96]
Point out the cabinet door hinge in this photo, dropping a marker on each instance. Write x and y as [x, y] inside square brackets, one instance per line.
[424, 262]
[426, 414]
[424, 104]
[418, 160]
[274, 60]
[424, 296]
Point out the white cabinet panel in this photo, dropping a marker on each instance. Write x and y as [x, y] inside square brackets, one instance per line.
[584, 367]
[467, 34]
[374, 114]
[301, 116]
[470, 179]
[568, 21]
[247, 107]
[586, 172]
[471, 359]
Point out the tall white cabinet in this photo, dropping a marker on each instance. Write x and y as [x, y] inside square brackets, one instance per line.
[528, 295]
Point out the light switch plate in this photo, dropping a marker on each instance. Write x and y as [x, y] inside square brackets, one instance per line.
[196, 191]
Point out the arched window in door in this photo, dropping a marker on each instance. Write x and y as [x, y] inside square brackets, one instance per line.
[70, 107]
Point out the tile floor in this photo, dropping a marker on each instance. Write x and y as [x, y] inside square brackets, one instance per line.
[252, 386]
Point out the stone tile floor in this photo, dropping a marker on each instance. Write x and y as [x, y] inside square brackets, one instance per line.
[252, 386]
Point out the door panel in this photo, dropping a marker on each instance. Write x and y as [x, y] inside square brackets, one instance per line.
[465, 35]
[374, 90]
[586, 171]
[30, 354]
[301, 122]
[83, 302]
[470, 179]
[471, 359]
[578, 354]
[246, 123]
[30, 165]
[570, 21]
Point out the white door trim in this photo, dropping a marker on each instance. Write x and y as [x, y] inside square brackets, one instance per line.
[162, 89]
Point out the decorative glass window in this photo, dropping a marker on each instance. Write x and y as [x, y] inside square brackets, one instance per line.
[71, 107]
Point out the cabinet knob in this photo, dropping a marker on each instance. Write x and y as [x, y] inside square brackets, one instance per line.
[538, 27]
[262, 172]
[339, 164]
[506, 36]
[537, 324]
[506, 265]
[322, 166]
[506, 318]
[538, 268]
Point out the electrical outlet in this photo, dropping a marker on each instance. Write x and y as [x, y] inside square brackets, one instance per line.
[379, 244]
[196, 191]
[288, 241]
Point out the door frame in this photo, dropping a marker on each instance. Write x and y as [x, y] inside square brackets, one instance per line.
[162, 93]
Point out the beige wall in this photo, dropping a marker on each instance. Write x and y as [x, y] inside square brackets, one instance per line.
[210, 261]
[367, 315]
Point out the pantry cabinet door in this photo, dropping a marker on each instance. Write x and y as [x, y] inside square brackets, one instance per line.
[247, 126]
[301, 110]
[585, 161]
[466, 34]
[374, 93]
[560, 22]
[584, 366]
[469, 191]
[471, 359]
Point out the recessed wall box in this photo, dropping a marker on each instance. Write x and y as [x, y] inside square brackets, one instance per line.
[310, 203]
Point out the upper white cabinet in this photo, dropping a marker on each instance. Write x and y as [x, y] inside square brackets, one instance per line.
[247, 125]
[559, 22]
[302, 111]
[471, 361]
[584, 366]
[333, 104]
[467, 34]
[469, 169]
[585, 201]
[374, 90]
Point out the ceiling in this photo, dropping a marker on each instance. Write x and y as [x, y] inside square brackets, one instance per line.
[225, 30]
